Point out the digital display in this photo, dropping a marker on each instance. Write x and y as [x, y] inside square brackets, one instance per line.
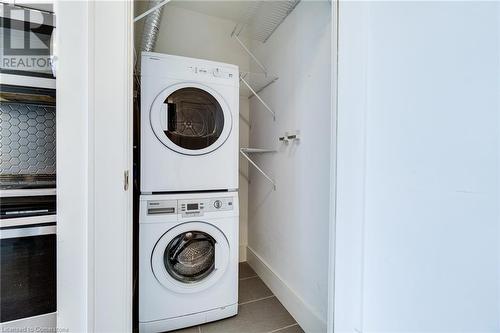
[192, 206]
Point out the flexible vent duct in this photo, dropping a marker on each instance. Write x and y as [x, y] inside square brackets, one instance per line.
[151, 28]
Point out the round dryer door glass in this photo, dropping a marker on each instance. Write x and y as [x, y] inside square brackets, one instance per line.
[195, 119]
[190, 256]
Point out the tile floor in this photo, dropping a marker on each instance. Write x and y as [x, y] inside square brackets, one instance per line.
[259, 311]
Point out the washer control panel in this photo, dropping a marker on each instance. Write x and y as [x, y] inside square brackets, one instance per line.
[189, 207]
[162, 207]
[197, 207]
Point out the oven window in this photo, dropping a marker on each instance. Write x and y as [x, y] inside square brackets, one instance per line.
[27, 276]
[195, 119]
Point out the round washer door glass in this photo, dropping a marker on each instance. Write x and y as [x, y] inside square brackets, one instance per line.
[190, 256]
[191, 120]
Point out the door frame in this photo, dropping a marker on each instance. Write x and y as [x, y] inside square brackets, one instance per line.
[94, 154]
[333, 166]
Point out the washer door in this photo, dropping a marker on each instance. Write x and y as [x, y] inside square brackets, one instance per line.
[190, 257]
[191, 118]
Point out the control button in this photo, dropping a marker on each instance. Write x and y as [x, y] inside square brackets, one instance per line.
[217, 204]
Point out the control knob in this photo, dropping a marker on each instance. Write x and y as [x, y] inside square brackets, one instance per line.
[217, 204]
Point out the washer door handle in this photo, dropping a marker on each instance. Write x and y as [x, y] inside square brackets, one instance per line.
[217, 254]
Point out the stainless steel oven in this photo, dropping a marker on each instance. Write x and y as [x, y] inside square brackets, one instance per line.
[19, 208]
[27, 210]
[28, 273]
[28, 293]
[28, 258]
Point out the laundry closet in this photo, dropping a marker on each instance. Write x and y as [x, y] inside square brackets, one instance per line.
[281, 200]
[345, 173]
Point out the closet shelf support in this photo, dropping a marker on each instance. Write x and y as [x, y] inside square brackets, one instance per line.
[264, 87]
[250, 53]
[246, 151]
[258, 97]
[152, 9]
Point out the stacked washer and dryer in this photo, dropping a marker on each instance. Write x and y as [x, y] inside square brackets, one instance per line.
[188, 222]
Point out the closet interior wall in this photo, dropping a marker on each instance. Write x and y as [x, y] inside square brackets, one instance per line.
[288, 227]
[192, 34]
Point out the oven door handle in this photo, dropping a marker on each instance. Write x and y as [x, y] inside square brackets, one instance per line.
[27, 232]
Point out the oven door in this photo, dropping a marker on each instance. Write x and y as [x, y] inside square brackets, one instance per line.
[27, 272]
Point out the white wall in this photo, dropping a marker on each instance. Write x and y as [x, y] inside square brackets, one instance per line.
[288, 228]
[418, 167]
[72, 119]
[192, 34]
[94, 148]
[111, 90]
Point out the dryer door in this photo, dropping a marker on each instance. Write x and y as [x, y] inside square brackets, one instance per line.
[191, 118]
[190, 257]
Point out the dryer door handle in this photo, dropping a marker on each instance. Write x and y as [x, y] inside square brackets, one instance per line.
[164, 117]
[168, 117]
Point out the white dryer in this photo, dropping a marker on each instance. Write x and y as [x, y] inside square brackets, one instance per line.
[188, 259]
[189, 124]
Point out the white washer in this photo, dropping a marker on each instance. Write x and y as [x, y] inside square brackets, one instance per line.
[189, 124]
[188, 259]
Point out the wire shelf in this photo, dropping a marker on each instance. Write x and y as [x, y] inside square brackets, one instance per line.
[263, 18]
[246, 151]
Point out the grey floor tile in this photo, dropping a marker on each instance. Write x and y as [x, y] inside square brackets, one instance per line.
[246, 270]
[194, 329]
[293, 329]
[256, 317]
[252, 289]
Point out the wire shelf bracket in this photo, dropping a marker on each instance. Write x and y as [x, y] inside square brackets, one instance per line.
[254, 93]
[264, 70]
[264, 86]
[242, 78]
[150, 10]
[246, 151]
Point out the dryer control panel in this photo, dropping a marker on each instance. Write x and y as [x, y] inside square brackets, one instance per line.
[219, 72]
[166, 66]
[189, 207]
